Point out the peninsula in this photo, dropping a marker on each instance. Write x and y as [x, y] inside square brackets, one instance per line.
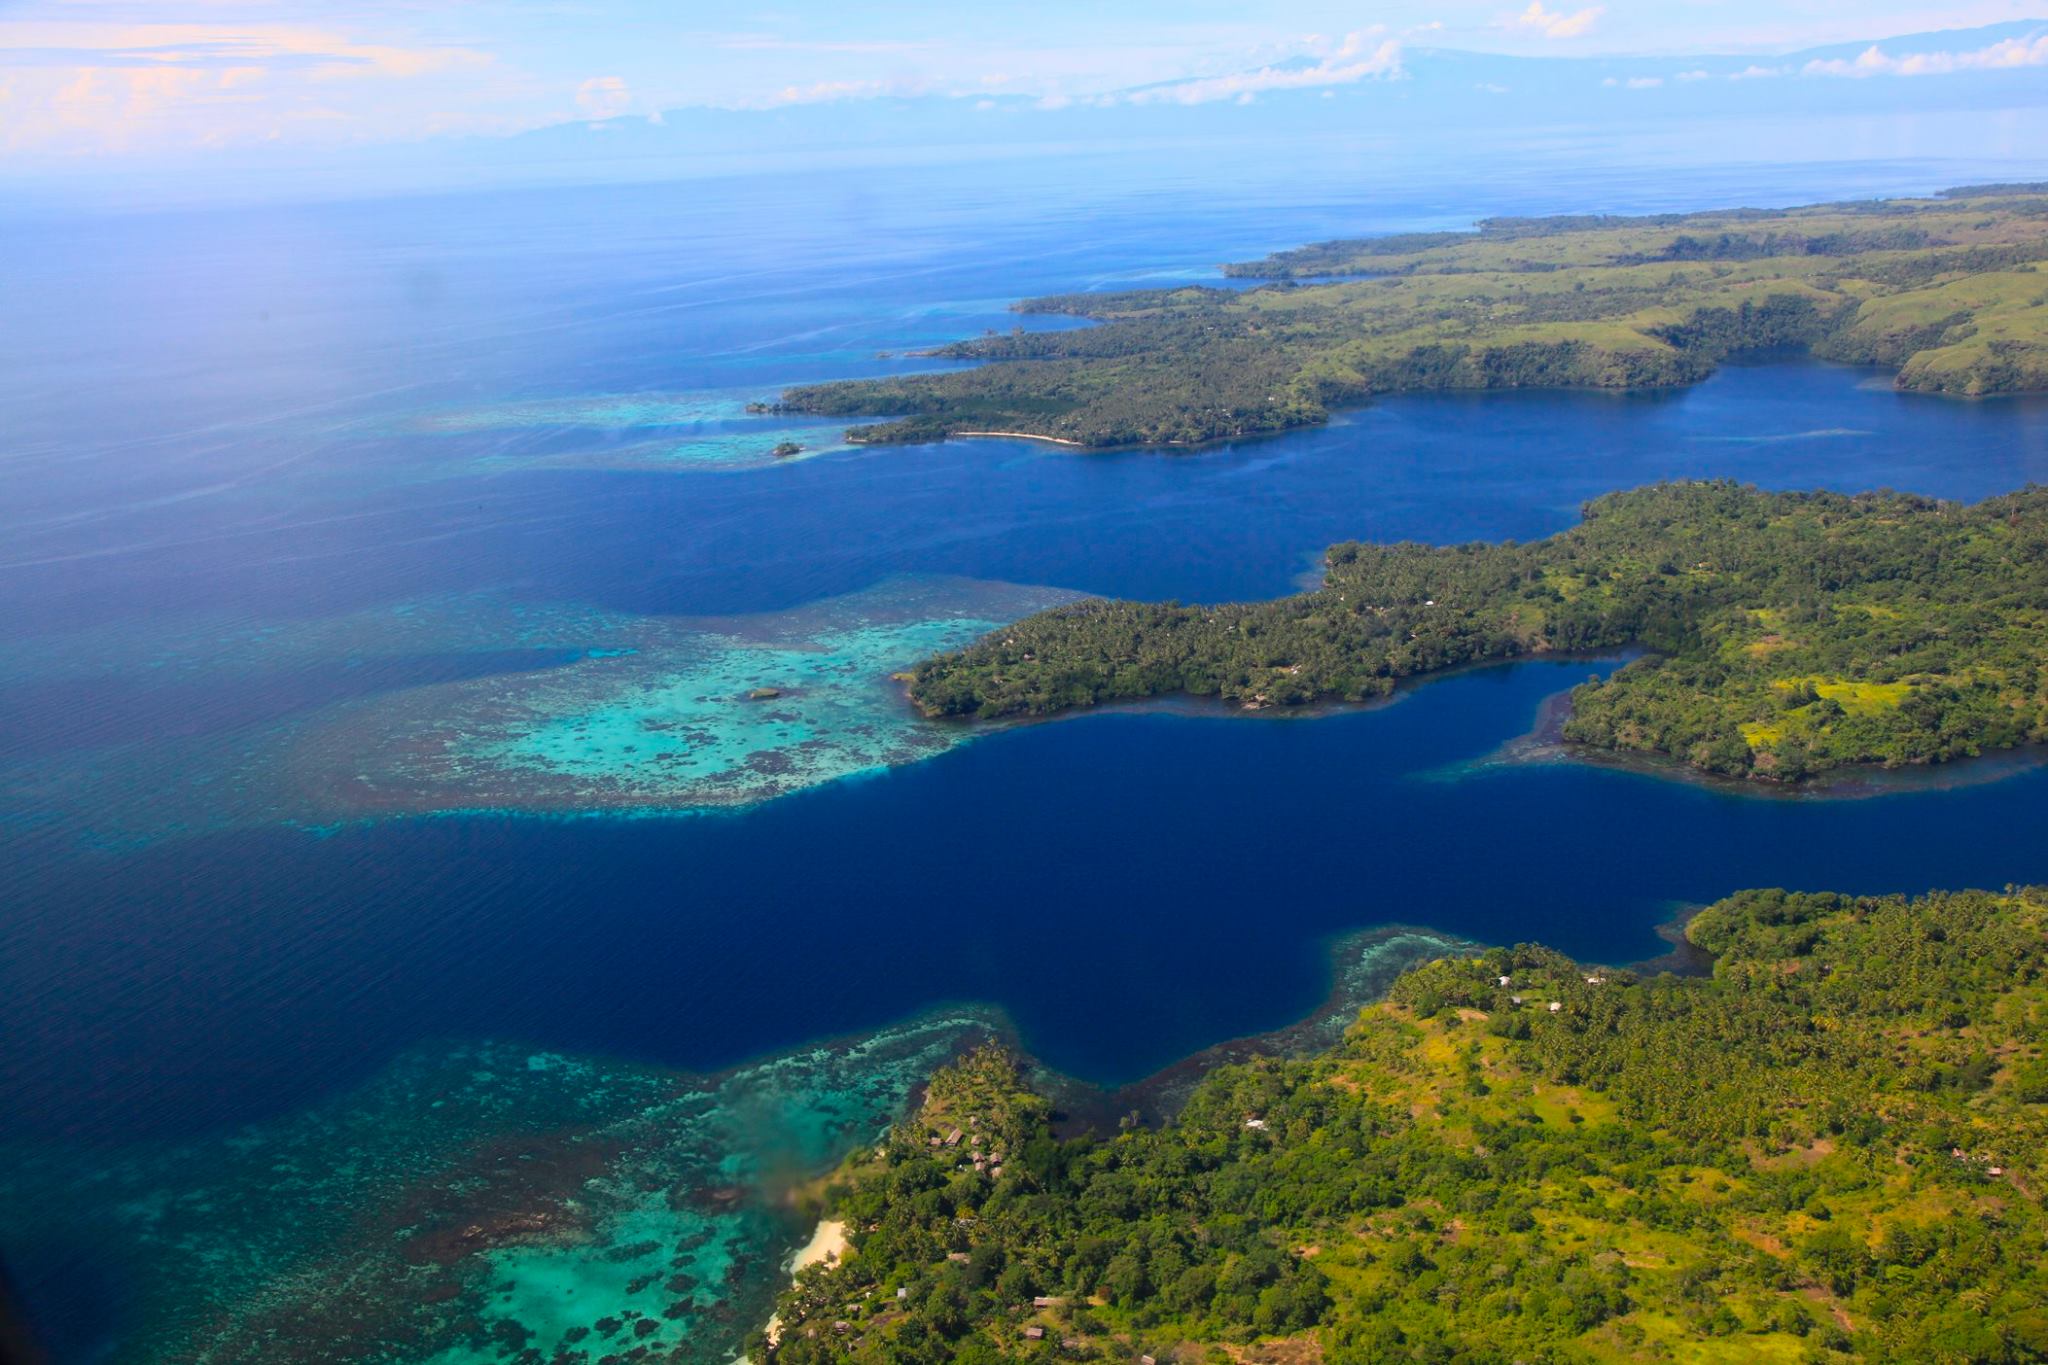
[1831, 1149]
[1786, 633]
[1949, 291]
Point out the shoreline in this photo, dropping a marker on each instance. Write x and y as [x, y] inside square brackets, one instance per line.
[828, 1243]
[1544, 743]
[1022, 436]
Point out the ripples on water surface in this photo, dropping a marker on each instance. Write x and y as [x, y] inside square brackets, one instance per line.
[322, 517]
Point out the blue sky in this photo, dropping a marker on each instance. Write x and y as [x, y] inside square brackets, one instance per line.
[161, 78]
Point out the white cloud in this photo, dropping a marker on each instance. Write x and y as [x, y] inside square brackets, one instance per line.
[1555, 23]
[2011, 55]
[1689, 76]
[1757, 73]
[822, 92]
[603, 97]
[1359, 57]
[93, 87]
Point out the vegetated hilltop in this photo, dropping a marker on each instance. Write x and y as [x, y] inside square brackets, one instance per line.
[1790, 632]
[1833, 1148]
[1947, 290]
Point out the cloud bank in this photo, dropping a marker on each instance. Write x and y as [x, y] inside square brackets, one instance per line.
[1555, 24]
[2011, 55]
[1363, 55]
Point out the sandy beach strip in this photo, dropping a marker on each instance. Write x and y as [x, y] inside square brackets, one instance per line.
[828, 1243]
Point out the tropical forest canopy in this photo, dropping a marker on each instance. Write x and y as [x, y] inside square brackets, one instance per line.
[1831, 1149]
[1949, 291]
[1788, 633]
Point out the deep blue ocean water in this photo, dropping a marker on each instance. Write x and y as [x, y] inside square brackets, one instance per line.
[213, 432]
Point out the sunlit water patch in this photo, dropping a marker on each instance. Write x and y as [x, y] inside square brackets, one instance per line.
[710, 432]
[610, 412]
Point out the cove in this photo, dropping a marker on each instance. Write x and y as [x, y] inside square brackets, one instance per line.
[1128, 888]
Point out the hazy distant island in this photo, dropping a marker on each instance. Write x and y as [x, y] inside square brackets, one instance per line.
[1831, 1149]
[1786, 633]
[1948, 291]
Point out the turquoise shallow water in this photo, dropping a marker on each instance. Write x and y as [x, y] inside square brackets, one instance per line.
[559, 710]
[408, 514]
[693, 714]
[472, 1200]
[683, 433]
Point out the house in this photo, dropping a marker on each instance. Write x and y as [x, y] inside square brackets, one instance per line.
[1047, 1301]
[959, 1257]
[1034, 1334]
[1503, 981]
[1255, 1124]
[1556, 1005]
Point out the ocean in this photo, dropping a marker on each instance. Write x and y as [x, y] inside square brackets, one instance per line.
[392, 848]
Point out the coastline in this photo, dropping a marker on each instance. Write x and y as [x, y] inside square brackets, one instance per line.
[1022, 436]
[828, 1243]
[1363, 964]
[1544, 743]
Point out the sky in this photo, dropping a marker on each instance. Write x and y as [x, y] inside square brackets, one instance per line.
[143, 79]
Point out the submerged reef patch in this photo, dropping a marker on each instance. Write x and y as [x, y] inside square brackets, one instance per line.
[476, 1202]
[701, 432]
[694, 713]
[489, 1203]
[482, 702]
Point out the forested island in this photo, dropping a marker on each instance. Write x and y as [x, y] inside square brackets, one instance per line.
[1787, 633]
[1830, 1149]
[1948, 291]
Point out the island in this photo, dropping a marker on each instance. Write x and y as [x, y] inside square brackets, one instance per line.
[1785, 634]
[1948, 291]
[1830, 1149]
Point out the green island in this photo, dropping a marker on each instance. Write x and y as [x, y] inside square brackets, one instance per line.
[1787, 633]
[1949, 291]
[1832, 1148]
